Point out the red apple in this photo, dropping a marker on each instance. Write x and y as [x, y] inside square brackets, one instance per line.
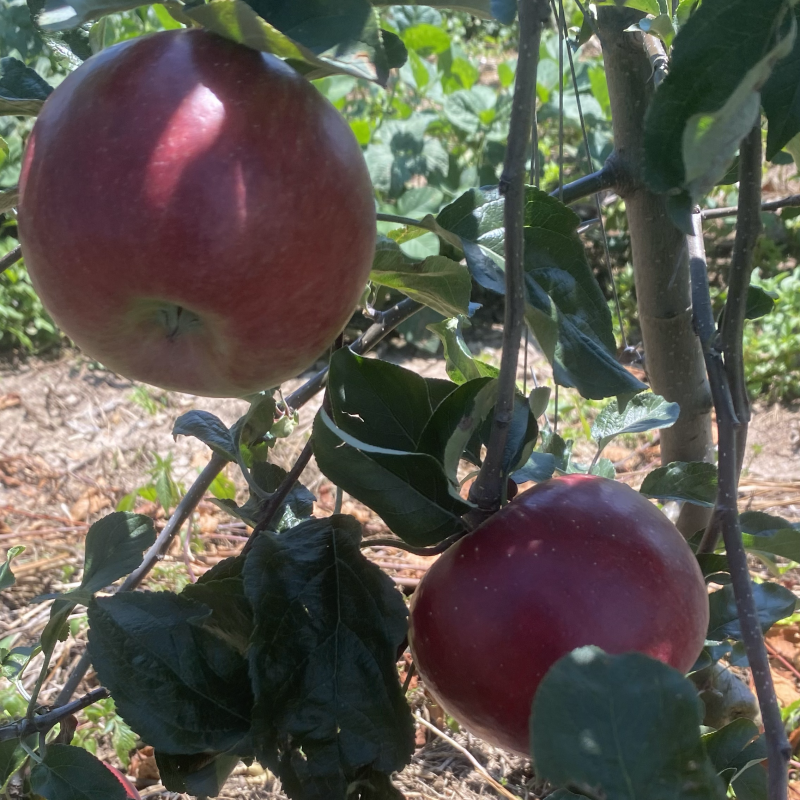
[194, 214]
[577, 560]
[130, 789]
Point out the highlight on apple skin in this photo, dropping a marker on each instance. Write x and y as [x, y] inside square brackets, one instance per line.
[195, 214]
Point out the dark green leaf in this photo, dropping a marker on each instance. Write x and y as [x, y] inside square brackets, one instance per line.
[209, 429]
[455, 421]
[379, 403]
[691, 482]
[7, 578]
[565, 307]
[114, 547]
[751, 784]
[176, 683]
[644, 412]
[266, 477]
[560, 449]
[784, 543]
[231, 616]
[12, 757]
[438, 282]
[710, 98]
[409, 491]
[504, 10]
[757, 523]
[72, 773]
[780, 97]
[235, 20]
[461, 365]
[22, 91]
[255, 424]
[323, 659]
[759, 302]
[725, 746]
[712, 563]
[773, 602]
[201, 775]
[539, 467]
[317, 24]
[593, 723]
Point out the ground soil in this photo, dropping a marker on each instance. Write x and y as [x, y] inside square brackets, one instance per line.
[75, 439]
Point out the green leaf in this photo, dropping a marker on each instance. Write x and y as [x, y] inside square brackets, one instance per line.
[201, 775]
[22, 91]
[378, 403]
[329, 625]
[236, 20]
[780, 97]
[409, 491]
[757, 523]
[317, 24]
[426, 39]
[565, 307]
[539, 467]
[209, 429]
[784, 542]
[644, 412]
[455, 421]
[461, 365]
[114, 547]
[7, 578]
[773, 602]
[12, 756]
[759, 302]
[231, 616]
[691, 482]
[299, 503]
[538, 400]
[710, 99]
[175, 682]
[478, 8]
[439, 282]
[593, 726]
[223, 488]
[72, 773]
[725, 746]
[467, 109]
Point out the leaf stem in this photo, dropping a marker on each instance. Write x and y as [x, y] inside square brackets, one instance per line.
[487, 490]
[727, 513]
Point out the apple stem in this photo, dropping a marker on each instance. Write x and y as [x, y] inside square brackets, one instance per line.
[726, 511]
[487, 491]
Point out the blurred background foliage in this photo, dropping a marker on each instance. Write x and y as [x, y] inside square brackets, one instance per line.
[439, 128]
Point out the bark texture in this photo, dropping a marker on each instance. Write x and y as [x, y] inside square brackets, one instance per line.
[673, 357]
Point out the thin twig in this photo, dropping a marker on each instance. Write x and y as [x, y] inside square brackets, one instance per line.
[778, 749]
[487, 490]
[385, 324]
[792, 200]
[10, 258]
[44, 722]
[279, 496]
[498, 787]
[748, 229]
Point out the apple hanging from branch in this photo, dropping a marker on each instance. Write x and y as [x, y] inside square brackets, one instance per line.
[574, 561]
[195, 215]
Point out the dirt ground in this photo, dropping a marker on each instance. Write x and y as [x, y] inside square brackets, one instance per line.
[74, 439]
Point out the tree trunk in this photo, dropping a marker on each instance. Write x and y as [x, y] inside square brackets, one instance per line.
[673, 357]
